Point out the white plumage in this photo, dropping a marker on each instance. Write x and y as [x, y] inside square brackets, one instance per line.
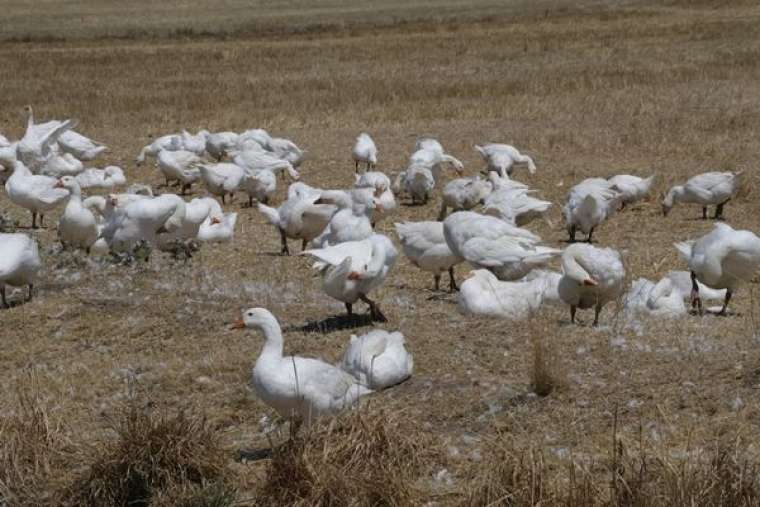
[378, 359]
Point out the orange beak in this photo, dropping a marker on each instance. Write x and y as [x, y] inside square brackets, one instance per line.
[58, 184]
[590, 282]
[238, 324]
[353, 275]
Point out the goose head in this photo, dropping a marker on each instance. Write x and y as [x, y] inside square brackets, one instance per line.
[69, 183]
[255, 318]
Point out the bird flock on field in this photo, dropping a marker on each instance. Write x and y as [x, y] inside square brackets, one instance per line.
[482, 222]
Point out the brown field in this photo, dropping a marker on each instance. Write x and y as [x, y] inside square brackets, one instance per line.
[662, 414]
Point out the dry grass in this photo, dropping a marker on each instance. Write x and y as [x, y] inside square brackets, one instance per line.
[621, 87]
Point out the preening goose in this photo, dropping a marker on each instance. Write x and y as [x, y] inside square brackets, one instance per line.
[286, 149]
[194, 143]
[257, 160]
[708, 189]
[81, 147]
[259, 185]
[683, 284]
[378, 359]
[181, 166]
[501, 158]
[222, 178]
[142, 219]
[429, 153]
[106, 178]
[631, 188]
[218, 144]
[425, 246]
[353, 220]
[57, 166]
[171, 142]
[36, 147]
[34, 192]
[463, 194]
[591, 277]
[300, 389]
[661, 299]
[511, 201]
[588, 204]
[351, 270]
[722, 259]
[77, 227]
[19, 263]
[364, 151]
[482, 293]
[381, 184]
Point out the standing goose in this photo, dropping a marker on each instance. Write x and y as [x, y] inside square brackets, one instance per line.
[353, 220]
[219, 144]
[19, 263]
[501, 158]
[425, 246]
[299, 217]
[171, 142]
[589, 203]
[257, 160]
[632, 188]
[81, 147]
[463, 194]
[351, 270]
[181, 166]
[221, 179]
[34, 192]
[591, 277]
[300, 389]
[36, 147]
[714, 188]
[383, 192]
[364, 151]
[722, 259]
[77, 227]
[378, 359]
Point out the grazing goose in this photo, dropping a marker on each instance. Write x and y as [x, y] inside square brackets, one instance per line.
[418, 182]
[19, 263]
[351, 270]
[106, 178]
[300, 389]
[714, 188]
[661, 299]
[489, 243]
[631, 188]
[484, 294]
[501, 158]
[194, 143]
[722, 259]
[588, 204]
[34, 192]
[171, 142]
[434, 159]
[219, 144]
[383, 192]
[299, 217]
[81, 147]
[425, 246]
[511, 201]
[591, 277]
[378, 359]
[463, 194]
[77, 227]
[221, 179]
[364, 151]
[181, 166]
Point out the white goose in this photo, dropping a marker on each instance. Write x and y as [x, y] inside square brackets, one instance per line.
[249, 138]
[34, 192]
[515, 206]
[489, 243]
[501, 158]
[722, 259]
[257, 160]
[589, 203]
[259, 185]
[81, 147]
[429, 153]
[221, 179]
[418, 181]
[36, 147]
[353, 220]
[197, 212]
[383, 192]
[378, 359]
[195, 143]
[218, 144]
[661, 299]
[106, 178]
[181, 166]
[364, 151]
[632, 188]
[351, 270]
[287, 150]
[142, 219]
[218, 228]
[483, 294]
[463, 194]
[683, 284]
[171, 142]
[425, 246]
[299, 217]
[19, 263]
[61, 165]
[77, 227]
[708, 189]
[298, 388]
[591, 277]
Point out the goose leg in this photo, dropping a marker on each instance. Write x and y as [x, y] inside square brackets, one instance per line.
[250, 201]
[304, 244]
[452, 281]
[374, 310]
[704, 212]
[223, 199]
[356, 167]
[284, 241]
[572, 234]
[725, 303]
[590, 233]
[442, 214]
[2, 295]
[597, 310]
[31, 288]
[34, 220]
[719, 211]
[42, 220]
[695, 299]
[572, 314]
[349, 309]
[437, 278]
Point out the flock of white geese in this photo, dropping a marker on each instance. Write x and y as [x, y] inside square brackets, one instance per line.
[48, 168]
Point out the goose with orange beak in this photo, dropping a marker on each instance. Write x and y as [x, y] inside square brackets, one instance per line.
[298, 388]
[592, 277]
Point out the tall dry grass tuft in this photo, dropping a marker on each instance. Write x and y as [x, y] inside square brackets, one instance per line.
[175, 458]
[544, 376]
[33, 450]
[360, 458]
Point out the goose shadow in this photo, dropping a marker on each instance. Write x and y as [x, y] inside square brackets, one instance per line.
[242, 455]
[334, 323]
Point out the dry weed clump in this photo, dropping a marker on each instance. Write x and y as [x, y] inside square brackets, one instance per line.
[34, 450]
[155, 459]
[355, 459]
